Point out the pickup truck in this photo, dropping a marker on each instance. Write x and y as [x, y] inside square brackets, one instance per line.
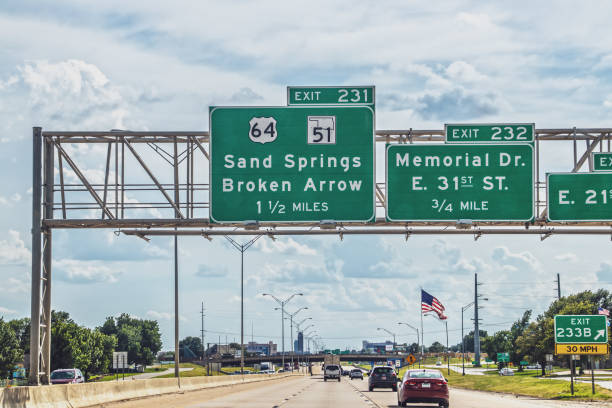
[332, 372]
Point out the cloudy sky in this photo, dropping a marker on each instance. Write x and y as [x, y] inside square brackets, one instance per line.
[67, 65]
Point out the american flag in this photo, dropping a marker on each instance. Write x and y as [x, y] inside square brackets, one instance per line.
[431, 304]
[603, 311]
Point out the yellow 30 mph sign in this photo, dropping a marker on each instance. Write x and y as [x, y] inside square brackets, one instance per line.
[595, 349]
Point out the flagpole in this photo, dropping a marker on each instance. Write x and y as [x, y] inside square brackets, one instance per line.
[447, 350]
[422, 334]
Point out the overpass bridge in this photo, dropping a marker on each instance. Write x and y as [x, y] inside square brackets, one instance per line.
[278, 359]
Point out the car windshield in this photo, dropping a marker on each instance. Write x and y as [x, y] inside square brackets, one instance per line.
[356, 370]
[423, 374]
[384, 370]
[332, 367]
[62, 375]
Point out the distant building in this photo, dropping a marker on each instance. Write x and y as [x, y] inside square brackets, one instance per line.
[376, 348]
[300, 343]
[266, 349]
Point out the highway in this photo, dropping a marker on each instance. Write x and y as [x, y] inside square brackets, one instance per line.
[308, 392]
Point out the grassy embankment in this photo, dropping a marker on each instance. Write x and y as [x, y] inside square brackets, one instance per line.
[111, 377]
[198, 371]
[526, 384]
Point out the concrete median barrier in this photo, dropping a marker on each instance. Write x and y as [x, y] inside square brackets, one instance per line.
[89, 394]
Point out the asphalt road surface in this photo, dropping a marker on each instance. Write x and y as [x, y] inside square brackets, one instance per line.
[313, 392]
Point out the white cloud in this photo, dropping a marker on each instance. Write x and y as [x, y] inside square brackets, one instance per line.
[78, 271]
[16, 197]
[4, 310]
[160, 315]
[567, 257]
[164, 315]
[207, 271]
[287, 246]
[13, 250]
[516, 262]
[605, 271]
[14, 285]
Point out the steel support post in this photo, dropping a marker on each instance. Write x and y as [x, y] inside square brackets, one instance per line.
[34, 378]
[176, 288]
[476, 325]
[47, 256]
[242, 249]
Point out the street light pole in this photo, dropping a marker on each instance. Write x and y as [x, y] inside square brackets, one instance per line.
[393, 334]
[418, 339]
[242, 249]
[282, 304]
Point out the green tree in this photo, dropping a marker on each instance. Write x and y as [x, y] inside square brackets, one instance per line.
[21, 328]
[140, 338]
[77, 346]
[436, 347]
[537, 339]
[10, 352]
[500, 342]
[194, 344]
[468, 340]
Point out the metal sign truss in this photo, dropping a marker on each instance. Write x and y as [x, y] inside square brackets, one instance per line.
[157, 183]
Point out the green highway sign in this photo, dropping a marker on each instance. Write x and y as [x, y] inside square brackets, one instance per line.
[459, 182]
[503, 357]
[602, 161]
[292, 164]
[579, 196]
[580, 329]
[331, 95]
[489, 133]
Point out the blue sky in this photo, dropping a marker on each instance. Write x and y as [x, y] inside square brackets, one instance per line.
[159, 65]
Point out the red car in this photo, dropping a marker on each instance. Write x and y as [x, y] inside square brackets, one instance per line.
[426, 386]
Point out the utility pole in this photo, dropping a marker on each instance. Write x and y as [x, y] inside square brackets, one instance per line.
[476, 328]
[558, 281]
[202, 334]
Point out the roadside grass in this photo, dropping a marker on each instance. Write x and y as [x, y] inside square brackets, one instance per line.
[197, 371]
[111, 377]
[528, 385]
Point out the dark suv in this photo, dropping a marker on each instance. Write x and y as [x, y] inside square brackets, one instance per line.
[382, 377]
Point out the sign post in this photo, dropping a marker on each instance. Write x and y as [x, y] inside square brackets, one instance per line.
[292, 164]
[460, 182]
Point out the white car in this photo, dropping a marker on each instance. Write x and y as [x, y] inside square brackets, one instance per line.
[506, 371]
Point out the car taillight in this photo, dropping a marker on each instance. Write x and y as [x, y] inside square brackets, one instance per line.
[411, 383]
[441, 382]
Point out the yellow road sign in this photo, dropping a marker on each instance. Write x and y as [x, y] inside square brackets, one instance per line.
[411, 359]
[582, 349]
